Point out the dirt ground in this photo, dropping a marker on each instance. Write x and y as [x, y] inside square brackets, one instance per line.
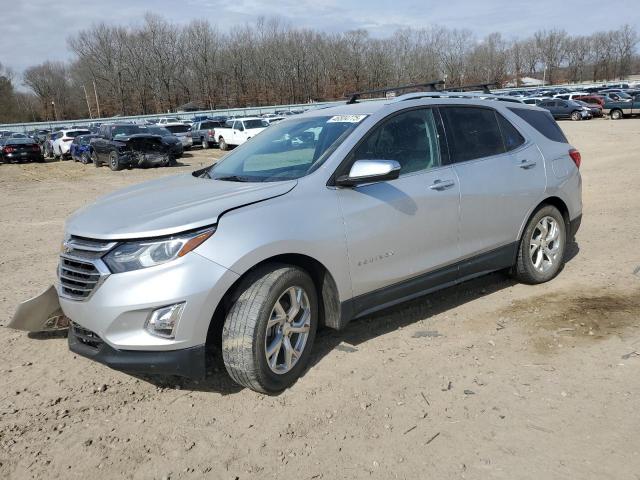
[487, 380]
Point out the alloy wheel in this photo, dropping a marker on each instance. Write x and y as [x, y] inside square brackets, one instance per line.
[287, 330]
[545, 244]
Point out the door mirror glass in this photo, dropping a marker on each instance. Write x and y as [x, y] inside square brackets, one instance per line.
[369, 171]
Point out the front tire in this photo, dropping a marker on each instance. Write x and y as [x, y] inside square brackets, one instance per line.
[616, 114]
[542, 247]
[576, 116]
[114, 162]
[269, 331]
[85, 158]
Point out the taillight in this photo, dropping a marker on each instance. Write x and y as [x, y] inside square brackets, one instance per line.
[575, 156]
[9, 149]
[212, 133]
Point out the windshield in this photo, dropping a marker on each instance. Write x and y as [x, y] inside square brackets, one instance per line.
[255, 124]
[125, 130]
[75, 133]
[163, 132]
[286, 151]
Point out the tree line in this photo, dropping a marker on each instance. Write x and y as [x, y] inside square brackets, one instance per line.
[158, 66]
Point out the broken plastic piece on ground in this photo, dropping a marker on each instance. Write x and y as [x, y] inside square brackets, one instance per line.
[40, 314]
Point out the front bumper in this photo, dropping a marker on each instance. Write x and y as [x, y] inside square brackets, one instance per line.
[186, 362]
[118, 308]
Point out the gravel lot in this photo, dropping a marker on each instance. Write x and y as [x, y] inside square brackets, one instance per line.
[487, 380]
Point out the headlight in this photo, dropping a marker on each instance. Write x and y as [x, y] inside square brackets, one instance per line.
[149, 253]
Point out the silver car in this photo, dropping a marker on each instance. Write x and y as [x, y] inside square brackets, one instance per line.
[322, 218]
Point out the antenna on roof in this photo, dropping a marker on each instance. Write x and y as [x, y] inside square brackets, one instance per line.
[429, 86]
[474, 86]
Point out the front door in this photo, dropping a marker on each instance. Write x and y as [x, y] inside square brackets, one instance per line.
[399, 230]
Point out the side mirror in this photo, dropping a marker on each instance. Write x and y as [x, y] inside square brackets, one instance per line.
[369, 171]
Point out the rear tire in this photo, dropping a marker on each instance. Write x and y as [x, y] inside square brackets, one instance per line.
[259, 349]
[223, 145]
[542, 247]
[205, 144]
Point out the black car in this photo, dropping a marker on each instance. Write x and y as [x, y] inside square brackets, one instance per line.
[121, 145]
[174, 143]
[18, 150]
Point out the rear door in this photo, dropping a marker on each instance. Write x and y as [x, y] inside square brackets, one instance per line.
[501, 176]
[400, 230]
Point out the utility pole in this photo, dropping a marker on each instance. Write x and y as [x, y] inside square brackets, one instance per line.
[95, 90]
[86, 97]
[55, 112]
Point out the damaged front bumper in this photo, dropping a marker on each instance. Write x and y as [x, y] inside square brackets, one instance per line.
[144, 159]
[40, 314]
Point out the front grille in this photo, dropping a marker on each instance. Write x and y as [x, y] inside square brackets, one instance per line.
[78, 278]
[81, 269]
[85, 336]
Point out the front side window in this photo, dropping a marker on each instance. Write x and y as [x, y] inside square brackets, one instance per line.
[286, 151]
[410, 138]
[472, 133]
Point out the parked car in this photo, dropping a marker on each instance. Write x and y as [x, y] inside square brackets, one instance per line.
[615, 96]
[80, 149]
[204, 132]
[238, 131]
[61, 144]
[165, 120]
[569, 96]
[19, 150]
[621, 108]
[121, 145]
[378, 203]
[182, 131]
[565, 109]
[592, 99]
[173, 143]
[594, 108]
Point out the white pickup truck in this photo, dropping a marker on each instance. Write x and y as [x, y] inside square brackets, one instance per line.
[238, 130]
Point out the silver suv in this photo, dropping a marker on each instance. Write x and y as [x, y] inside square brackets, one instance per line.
[322, 218]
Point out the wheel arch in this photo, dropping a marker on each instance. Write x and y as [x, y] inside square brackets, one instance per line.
[554, 201]
[326, 291]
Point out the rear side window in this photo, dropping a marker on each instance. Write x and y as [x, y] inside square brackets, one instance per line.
[472, 133]
[543, 122]
[511, 136]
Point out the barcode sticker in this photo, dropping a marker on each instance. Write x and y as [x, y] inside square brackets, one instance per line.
[346, 119]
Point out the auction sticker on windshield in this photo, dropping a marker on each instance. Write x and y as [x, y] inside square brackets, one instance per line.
[346, 118]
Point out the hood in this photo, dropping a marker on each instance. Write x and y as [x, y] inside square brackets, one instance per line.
[136, 136]
[166, 206]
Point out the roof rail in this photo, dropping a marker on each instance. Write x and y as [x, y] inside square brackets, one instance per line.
[446, 94]
[474, 86]
[431, 86]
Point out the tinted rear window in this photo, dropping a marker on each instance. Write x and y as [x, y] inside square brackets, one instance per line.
[178, 128]
[543, 122]
[472, 133]
[207, 125]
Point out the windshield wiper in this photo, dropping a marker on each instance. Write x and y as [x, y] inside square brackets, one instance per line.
[233, 178]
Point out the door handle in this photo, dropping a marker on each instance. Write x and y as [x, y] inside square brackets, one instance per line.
[526, 164]
[442, 184]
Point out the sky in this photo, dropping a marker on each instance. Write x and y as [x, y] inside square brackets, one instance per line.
[37, 30]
